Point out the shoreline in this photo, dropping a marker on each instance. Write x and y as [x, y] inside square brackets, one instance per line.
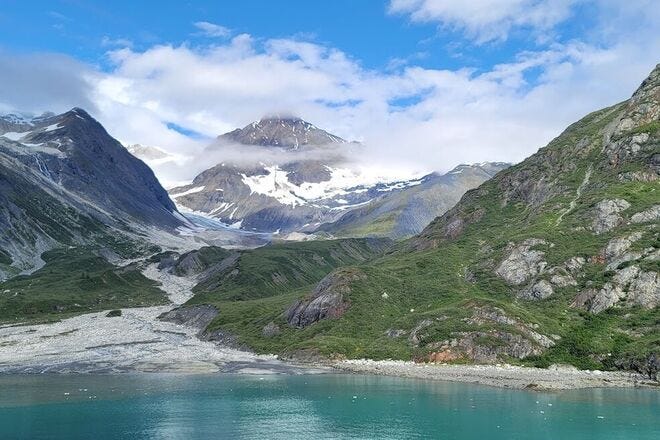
[559, 378]
[138, 342]
[555, 378]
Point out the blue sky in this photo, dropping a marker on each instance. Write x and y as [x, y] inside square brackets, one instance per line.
[364, 29]
[422, 83]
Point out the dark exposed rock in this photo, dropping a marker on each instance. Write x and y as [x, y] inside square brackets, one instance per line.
[285, 132]
[639, 176]
[650, 215]
[189, 264]
[636, 286]
[312, 171]
[165, 260]
[197, 316]
[563, 280]
[616, 251]
[483, 315]
[645, 290]
[648, 365]
[327, 301]
[539, 290]
[574, 264]
[415, 336]
[223, 338]
[395, 333]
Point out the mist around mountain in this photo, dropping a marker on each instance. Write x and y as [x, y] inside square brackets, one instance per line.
[405, 212]
[284, 175]
[76, 203]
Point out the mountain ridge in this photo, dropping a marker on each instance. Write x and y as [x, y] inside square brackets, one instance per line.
[82, 184]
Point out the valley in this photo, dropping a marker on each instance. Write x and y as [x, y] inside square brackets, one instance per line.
[552, 261]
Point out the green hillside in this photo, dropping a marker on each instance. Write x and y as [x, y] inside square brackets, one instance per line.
[553, 260]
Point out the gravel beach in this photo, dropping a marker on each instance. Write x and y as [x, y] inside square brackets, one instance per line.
[136, 341]
[504, 376]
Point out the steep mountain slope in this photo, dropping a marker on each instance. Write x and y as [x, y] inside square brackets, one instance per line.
[66, 181]
[406, 212]
[553, 260]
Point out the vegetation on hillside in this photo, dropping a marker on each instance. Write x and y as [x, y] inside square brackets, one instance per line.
[440, 292]
[73, 281]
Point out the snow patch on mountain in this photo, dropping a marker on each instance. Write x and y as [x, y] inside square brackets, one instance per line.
[343, 181]
[190, 191]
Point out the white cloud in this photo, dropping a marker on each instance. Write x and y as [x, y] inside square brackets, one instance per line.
[487, 20]
[410, 117]
[212, 29]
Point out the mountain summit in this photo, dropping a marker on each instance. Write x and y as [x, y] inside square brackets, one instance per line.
[297, 187]
[284, 132]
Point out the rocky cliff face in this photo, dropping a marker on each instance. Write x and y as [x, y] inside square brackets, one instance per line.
[328, 300]
[588, 176]
[580, 216]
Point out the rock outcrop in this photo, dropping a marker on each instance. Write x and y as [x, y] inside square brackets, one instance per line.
[327, 301]
[271, 330]
[522, 262]
[645, 290]
[650, 215]
[510, 338]
[197, 316]
[637, 287]
[539, 290]
[485, 347]
[607, 215]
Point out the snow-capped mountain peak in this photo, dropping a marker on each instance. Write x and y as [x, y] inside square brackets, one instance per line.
[284, 132]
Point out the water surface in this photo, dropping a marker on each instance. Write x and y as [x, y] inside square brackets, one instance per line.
[152, 406]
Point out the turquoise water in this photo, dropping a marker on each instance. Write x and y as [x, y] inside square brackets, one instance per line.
[311, 407]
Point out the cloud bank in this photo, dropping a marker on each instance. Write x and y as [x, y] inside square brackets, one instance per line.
[413, 118]
[487, 20]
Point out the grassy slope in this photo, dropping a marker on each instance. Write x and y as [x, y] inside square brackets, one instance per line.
[431, 283]
[74, 281]
[267, 271]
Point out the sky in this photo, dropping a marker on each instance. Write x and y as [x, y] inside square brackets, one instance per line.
[423, 84]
